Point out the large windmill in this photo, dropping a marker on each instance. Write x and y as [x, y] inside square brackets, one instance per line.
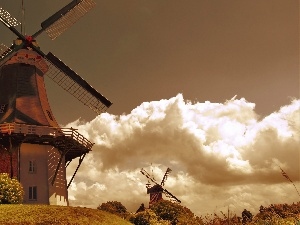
[33, 147]
[157, 189]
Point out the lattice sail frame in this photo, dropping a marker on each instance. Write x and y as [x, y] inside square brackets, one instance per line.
[4, 50]
[8, 19]
[68, 18]
[75, 85]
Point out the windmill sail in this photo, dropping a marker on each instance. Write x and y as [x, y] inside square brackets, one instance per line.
[65, 18]
[165, 177]
[10, 22]
[75, 85]
[171, 196]
[145, 173]
[4, 50]
[7, 19]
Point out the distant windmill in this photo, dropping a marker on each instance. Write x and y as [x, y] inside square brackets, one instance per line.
[33, 147]
[155, 190]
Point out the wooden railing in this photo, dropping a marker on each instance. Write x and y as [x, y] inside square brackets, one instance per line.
[25, 129]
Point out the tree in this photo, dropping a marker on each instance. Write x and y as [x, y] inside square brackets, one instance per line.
[114, 207]
[147, 217]
[175, 213]
[11, 191]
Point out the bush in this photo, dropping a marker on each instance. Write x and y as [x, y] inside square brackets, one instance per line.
[175, 213]
[147, 217]
[11, 191]
[114, 207]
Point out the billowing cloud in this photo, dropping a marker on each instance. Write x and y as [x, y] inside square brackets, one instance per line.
[221, 154]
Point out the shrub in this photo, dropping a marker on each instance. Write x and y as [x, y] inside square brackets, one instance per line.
[175, 213]
[114, 207]
[147, 217]
[11, 191]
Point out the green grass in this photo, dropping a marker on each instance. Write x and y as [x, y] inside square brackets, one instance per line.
[62, 215]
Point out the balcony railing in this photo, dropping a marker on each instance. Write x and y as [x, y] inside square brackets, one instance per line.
[25, 129]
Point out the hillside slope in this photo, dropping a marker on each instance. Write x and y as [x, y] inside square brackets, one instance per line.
[62, 215]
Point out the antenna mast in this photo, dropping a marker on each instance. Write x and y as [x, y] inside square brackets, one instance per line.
[23, 18]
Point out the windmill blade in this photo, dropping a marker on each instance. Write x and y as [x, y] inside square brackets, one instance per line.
[10, 22]
[5, 53]
[4, 50]
[165, 176]
[7, 19]
[145, 173]
[56, 24]
[170, 195]
[75, 85]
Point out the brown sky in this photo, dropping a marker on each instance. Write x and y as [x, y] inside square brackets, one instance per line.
[137, 50]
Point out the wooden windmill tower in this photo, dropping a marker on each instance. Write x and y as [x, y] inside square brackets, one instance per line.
[33, 147]
[156, 190]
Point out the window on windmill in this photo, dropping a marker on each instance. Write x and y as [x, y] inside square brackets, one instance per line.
[32, 166]
[32, 193]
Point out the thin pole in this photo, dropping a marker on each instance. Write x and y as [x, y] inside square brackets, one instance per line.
[23, 19]
[80, 161]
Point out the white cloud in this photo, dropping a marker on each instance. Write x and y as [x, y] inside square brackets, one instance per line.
[220, 153]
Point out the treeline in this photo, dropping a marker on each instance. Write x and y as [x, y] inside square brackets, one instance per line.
[167, 213]
[161, 213]
[280, 211]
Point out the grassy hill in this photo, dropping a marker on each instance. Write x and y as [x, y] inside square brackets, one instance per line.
[62, 215]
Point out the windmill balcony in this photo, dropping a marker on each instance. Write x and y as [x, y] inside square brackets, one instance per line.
[66, 140]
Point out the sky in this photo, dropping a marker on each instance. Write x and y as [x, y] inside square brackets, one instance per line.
[207, 88]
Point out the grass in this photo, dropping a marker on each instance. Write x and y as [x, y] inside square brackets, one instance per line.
[65, 215]
[62, 215]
